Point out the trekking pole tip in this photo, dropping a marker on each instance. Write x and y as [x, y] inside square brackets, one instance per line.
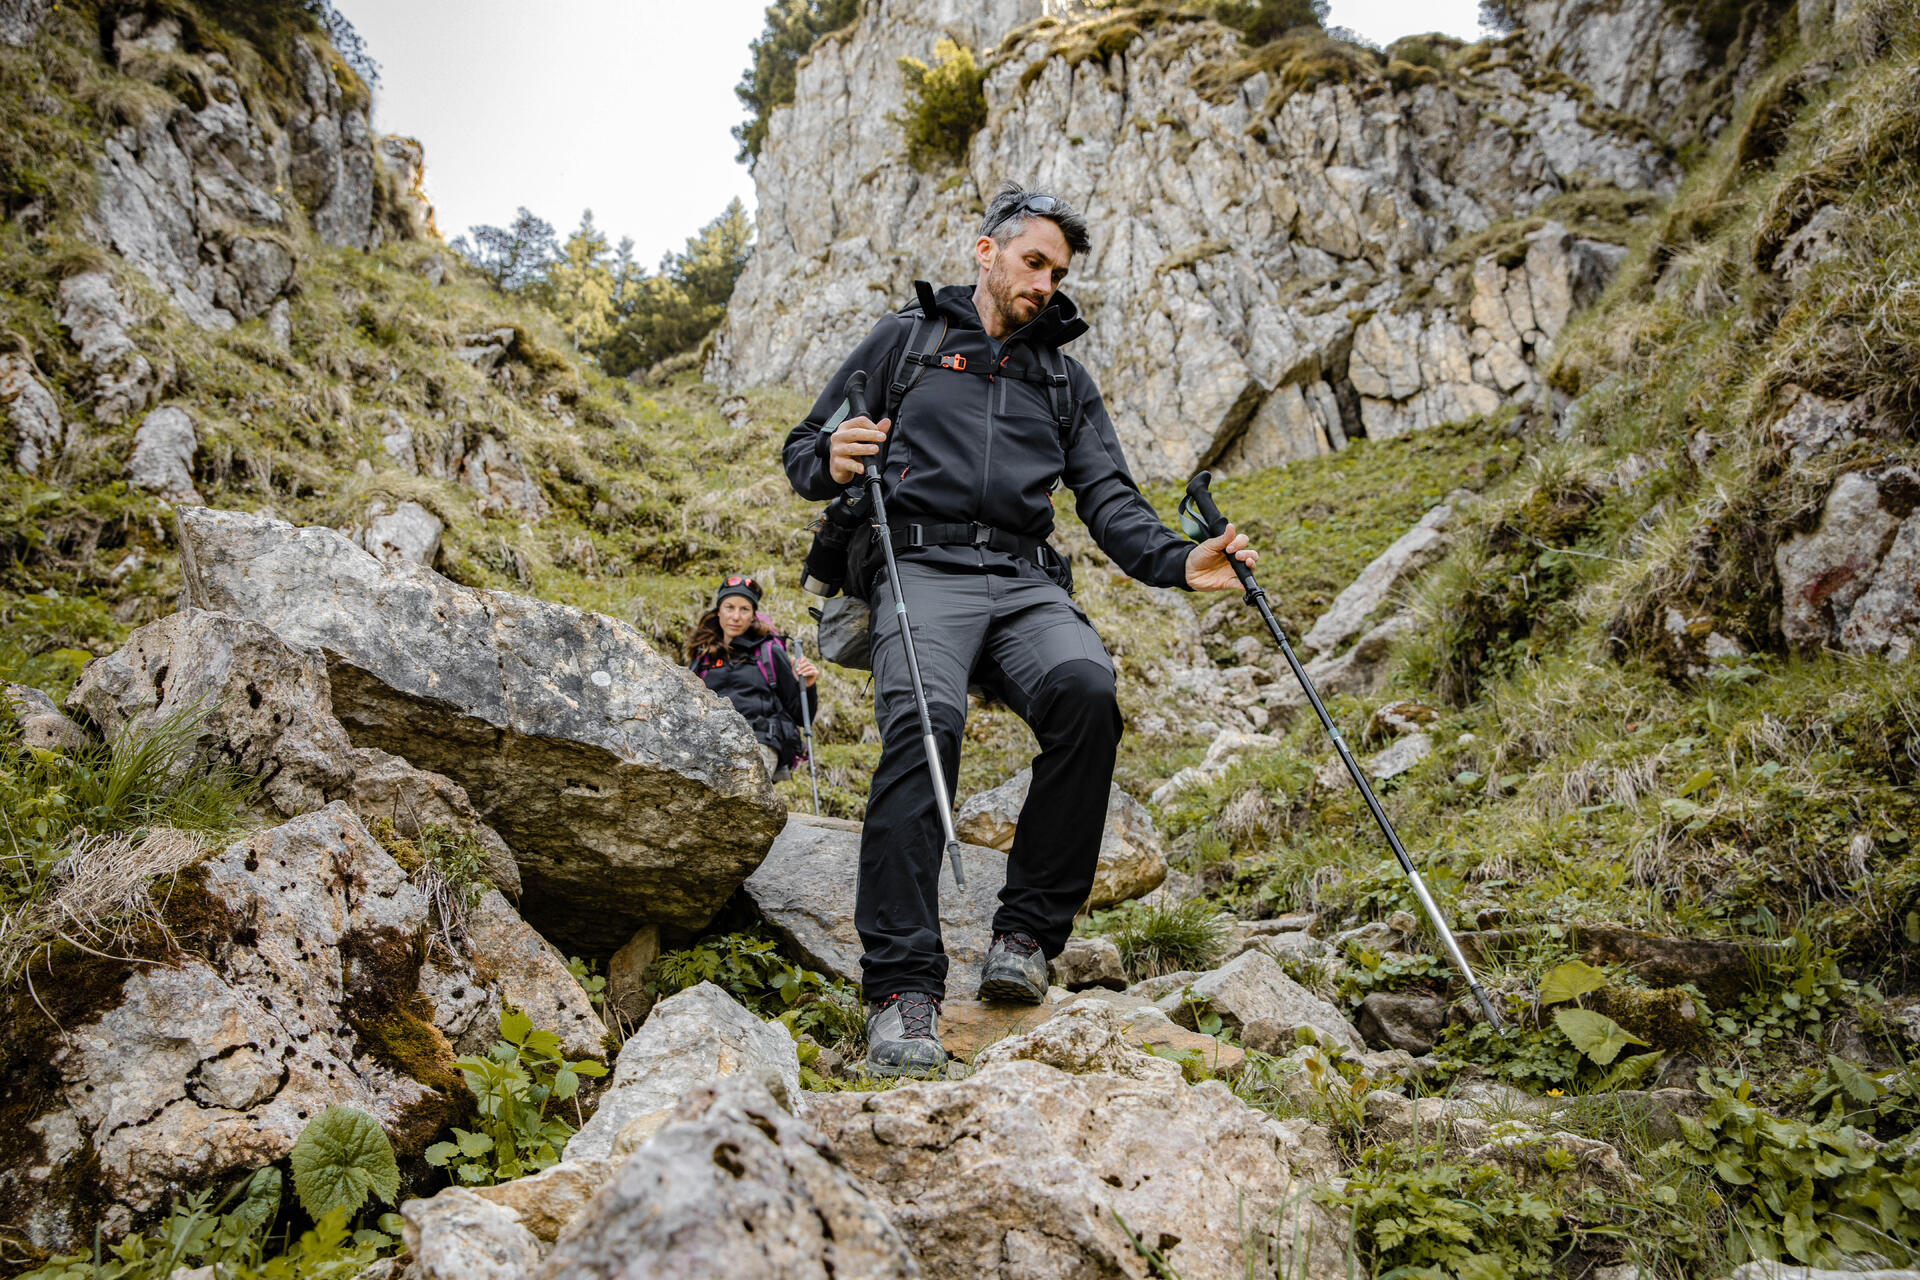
[953, 856]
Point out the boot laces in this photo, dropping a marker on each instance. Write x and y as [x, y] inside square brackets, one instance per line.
[916, 1014]
[1020, 944]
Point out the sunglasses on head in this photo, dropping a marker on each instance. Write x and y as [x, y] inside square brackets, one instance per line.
[741, 580]
[1045, 206]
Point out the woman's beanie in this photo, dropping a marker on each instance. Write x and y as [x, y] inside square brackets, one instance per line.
[738, 584]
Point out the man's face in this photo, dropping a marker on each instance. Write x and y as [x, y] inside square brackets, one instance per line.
[1021, 275]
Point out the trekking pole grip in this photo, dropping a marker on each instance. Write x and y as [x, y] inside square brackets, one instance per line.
[1210, 522]
[857, 408]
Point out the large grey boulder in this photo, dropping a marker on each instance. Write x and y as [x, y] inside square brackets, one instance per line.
[804, 891]
[1083, 1038]
[697, 1035]
[629, 793]
[409, 532]
[294, 980]
[264, 707]
[38, 721]
[20, 20]
[732, 1186]
[32, 415]
[1254, 993]
[1026, 1170]
[1132, 862]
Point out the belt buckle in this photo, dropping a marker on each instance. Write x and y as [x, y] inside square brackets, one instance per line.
[982, 535]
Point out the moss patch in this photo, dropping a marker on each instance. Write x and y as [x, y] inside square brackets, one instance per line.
[392, 1022]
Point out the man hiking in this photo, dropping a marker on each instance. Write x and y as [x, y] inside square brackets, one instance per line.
[987, 418]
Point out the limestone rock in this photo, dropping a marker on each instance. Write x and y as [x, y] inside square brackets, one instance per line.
[458, 1235]
[1080, 1039]
[1360, 670]
[1771, 1269]
[501, 480]
[162, 460]
[530, 975]
[32, 414]
[1089, 962]
[265, 708]
[1131, 861]
[804, 891]
[1389, 762]
[298, 988]
[409, 532]
[698, 1035]
[732, 1186]
[332, 164]
[1253, 989]
[1398, 719]
[1350, 611]
[1812, 424]
[1226, 748]
[1637, 56]
[91, 312]
[629, 794]
[20, 21]
[1823, 574]
[406, 162]
[968, 1026]
[545, 1202]
[1886, 617]
[1023, 1169]
[1242, 225]
[1402, 1020]
[40, 723]
[1821, 237]
[627, 993]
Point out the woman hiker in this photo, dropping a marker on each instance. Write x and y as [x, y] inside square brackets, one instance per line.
[733, 649]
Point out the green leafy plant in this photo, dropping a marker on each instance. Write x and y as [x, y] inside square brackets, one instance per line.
[1886, 1103]
[1164, 937]
[946, 105]
[1811, 1192]
[1419, 1217]
[750, 968]
[1368, 971]
[585, 972]
[1801, 992]
[341, 1158]
[439, 857]
[512, 1134]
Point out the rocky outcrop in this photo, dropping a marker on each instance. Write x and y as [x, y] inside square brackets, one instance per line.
[732, 1186]
[264, 708]
[1023, 1169]
[38, 721]
[804, 891]
[459, 1235]
[1359, 604]
[1851, 583]
[295, 982]
[698, 1035]
[1080, 1039]
[20, 20]
[97, 322]
[630, 795]
[1255, 995]
[32, 415]
[331, 161]
[409, 532]
[1131, 860]
[162, 460]
[1281, 240]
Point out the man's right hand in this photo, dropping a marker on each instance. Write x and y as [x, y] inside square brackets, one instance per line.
[854, 441]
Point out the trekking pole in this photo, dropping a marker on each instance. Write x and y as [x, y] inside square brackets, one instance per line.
[857, 408]
[806, 731]
[1207, 522]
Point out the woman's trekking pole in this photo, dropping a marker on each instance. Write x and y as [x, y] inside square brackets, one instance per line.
[857, 408]
[1201, 519]
[806, 731]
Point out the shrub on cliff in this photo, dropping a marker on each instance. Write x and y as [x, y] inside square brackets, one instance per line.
[946, 105]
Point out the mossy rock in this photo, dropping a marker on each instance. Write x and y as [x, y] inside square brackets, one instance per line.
[1672, 1019]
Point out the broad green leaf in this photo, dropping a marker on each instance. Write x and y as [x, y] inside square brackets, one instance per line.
[257, 1208]
[515, 1026]
[565, 1084]
[1630, 1073]
[1570, 980]
[588, 1067]
[473, 1144]
[1700, 780]
[1858, 1085]
[440, 1152]
[341, 1158]
[1594, 1034]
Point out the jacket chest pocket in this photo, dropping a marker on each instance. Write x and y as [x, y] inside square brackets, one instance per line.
[1024, 420]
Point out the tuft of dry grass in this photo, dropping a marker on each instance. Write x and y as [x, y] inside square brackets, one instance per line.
[99, 895]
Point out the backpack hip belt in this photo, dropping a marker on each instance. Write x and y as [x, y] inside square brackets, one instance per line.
[910, 536]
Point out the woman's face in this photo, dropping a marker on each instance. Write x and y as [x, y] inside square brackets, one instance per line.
[736, 615]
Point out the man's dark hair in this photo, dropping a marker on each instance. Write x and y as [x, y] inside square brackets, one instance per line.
[1007, 215]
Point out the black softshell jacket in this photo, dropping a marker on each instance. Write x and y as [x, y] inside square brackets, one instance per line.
[773, 711]
[980, 444]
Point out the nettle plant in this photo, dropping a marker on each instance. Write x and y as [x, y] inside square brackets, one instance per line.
[512, 1134]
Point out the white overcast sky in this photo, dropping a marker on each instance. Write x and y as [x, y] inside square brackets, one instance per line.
[624, 107]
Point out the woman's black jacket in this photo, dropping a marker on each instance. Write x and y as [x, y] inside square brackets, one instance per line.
[773, 711]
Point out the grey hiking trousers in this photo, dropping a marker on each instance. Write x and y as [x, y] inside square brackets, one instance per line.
[1008, 628]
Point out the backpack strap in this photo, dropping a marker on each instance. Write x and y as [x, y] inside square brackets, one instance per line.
[763, 659]
[923, 344]
[1059, 391]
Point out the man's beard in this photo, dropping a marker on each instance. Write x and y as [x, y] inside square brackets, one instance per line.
[1007, 298]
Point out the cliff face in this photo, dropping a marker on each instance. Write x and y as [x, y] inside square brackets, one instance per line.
[1290, 248]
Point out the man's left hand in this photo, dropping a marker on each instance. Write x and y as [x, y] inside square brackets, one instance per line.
[1210, 563]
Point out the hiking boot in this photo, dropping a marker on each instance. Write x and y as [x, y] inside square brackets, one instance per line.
[903, 1036]
[1015, 970]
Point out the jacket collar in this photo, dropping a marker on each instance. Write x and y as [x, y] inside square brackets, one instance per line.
[1058, 323]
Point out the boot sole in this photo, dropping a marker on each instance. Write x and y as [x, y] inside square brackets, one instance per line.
[1011, 991]
[917, 1073]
